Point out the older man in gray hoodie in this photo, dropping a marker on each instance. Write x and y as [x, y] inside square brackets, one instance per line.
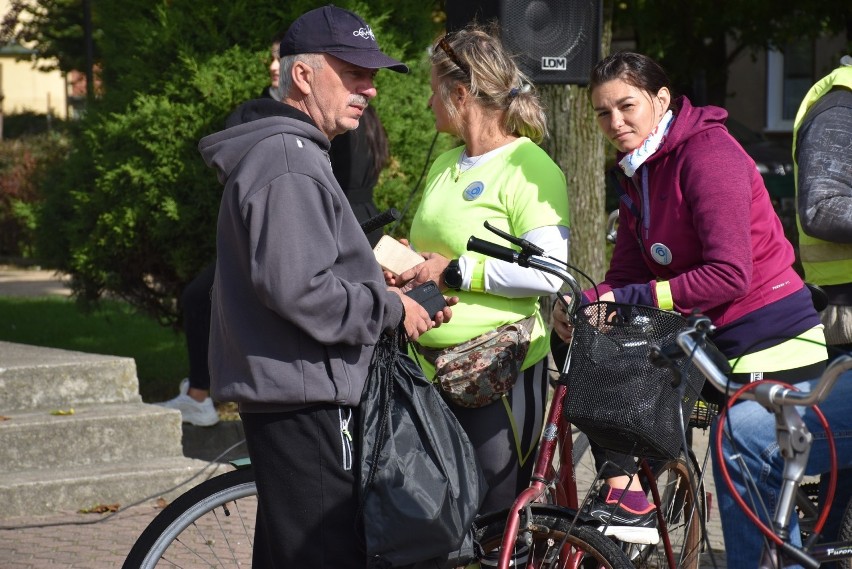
[298, 300]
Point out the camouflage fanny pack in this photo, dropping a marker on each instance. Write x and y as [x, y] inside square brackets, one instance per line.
[480, 370]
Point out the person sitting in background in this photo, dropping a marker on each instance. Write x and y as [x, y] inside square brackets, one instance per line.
[678, 247]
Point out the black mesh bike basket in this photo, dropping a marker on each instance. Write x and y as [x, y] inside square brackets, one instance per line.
[615, 394]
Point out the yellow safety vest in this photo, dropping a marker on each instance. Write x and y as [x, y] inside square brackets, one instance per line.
[825, 263]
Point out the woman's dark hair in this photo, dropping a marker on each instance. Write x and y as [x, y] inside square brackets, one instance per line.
[633, 68]
[377, 139]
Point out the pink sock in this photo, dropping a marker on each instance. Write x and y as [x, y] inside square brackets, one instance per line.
[634, 500]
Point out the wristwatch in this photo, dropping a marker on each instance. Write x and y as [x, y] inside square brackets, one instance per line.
[453, 277]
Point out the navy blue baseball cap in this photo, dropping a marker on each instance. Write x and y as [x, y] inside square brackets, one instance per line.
[340, 33]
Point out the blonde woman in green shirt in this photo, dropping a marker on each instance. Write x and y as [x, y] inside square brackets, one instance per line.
[500, 175]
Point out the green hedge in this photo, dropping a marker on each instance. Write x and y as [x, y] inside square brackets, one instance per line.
[132, 208]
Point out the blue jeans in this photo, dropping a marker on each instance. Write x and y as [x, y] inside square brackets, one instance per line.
[754, 437]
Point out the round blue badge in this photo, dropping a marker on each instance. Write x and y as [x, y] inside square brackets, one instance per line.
[661, 254]
[473, 191]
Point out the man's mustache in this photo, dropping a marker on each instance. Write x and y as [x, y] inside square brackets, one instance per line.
[359, 100]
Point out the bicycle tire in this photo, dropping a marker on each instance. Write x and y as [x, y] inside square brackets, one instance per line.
[682, 509]
[539, 547]
[193, 532]
[580, 448]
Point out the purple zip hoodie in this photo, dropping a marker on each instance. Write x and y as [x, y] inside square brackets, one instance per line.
[697, 215]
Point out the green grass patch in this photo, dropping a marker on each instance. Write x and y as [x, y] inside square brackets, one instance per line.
[114, 329]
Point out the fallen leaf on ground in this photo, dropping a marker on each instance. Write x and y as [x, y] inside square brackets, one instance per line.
[100, 509]
[62, 412]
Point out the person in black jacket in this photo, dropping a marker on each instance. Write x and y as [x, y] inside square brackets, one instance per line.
[357, 159]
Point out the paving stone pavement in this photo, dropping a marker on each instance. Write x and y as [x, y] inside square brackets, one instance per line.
[69, 540]
[72, 540]
[32, 281]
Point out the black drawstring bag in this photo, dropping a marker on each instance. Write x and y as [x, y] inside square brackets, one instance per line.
[421, 486]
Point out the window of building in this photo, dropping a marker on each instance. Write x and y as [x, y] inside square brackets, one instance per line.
[789, 76]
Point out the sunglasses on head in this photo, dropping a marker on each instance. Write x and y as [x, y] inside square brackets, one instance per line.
[444, 44]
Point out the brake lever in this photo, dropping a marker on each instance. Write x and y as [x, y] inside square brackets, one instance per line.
[527, 248]
[701, 323]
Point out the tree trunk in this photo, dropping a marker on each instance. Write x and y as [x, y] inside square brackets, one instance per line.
[578, 147]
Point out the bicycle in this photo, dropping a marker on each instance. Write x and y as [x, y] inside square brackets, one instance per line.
[197, 526]
[524, 533]
[793, 438]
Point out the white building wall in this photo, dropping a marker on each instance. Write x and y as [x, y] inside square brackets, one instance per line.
[25, 88]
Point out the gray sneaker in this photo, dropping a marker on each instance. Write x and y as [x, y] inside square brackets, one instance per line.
[621, 523]
[200, 414]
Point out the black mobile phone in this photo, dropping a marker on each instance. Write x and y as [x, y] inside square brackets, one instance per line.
[429, 296]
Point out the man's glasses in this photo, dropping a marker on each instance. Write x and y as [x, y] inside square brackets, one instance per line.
[444, 44]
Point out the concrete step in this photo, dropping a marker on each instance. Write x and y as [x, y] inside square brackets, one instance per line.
[36, 493]
[93, 435]
[223, 442]
[33, 377]
[112, 449]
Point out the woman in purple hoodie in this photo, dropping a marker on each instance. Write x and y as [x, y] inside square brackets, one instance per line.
[696, 231]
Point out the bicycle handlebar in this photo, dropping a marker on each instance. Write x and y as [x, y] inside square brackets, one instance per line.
[380, 220]
[691, 341]
[529, 256]
[778, 399]
[492, 250]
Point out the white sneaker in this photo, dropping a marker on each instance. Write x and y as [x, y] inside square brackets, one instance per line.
[201, 414]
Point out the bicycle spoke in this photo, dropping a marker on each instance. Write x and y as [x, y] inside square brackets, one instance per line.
[212, 525]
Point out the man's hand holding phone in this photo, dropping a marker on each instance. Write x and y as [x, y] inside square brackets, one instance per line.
[425, 308]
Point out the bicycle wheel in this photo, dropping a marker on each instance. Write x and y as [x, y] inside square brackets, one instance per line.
[211, 525]
[582, 449]
[682, 510]
[585, 469]
[540, 542]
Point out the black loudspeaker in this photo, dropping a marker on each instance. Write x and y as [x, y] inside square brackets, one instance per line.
[554, 41]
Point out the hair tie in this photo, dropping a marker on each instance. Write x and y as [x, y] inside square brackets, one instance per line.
[515, 91]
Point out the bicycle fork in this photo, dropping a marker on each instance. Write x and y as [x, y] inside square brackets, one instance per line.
[565, 489]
